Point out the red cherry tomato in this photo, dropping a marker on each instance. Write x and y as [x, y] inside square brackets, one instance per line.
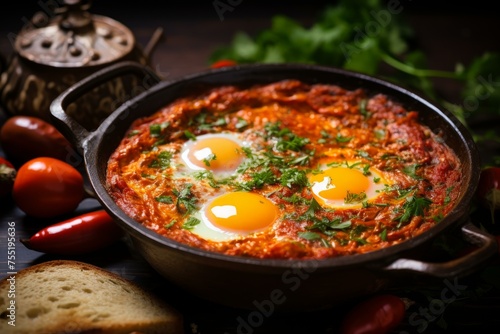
[223, 63]
[488, 189]
[47, 187]
[376, 315]
[7, 177]
[78, 235]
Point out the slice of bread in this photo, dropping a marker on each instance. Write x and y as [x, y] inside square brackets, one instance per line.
[64, 296]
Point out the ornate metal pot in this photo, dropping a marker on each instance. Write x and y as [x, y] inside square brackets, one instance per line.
[51, 55]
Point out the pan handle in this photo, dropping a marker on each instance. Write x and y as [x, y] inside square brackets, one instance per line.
[66, 124]
[487, 246]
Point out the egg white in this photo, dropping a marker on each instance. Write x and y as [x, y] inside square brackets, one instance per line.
[208, 231]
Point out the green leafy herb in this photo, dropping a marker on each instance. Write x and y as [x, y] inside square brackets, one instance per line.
[133, 133]
[324, 137]
[162, 160]
[379, 133]
[155, 130]
[241, 124]
[363, 154]
[169, 225]
[354, 198]
[383, 235]
[164, 199]
[189, 135]
[205, 121]
[186, 201]
[447, 199]
[413, 206]
[287, 140]
[329, 226]
[259, 180]
[362, 109]
[313, 207]
[355, 233]
[190, 223]
[208, 159]
[294, 177]
[309, 235]
[339, 38]
[342, 139]
[411, 171]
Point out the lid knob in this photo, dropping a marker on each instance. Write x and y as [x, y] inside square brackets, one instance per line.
[75, 17]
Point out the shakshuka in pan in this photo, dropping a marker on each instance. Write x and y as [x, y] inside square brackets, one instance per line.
[286, 170]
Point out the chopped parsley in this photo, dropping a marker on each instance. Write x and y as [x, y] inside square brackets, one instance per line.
[411, 171]
[259, 180]
[383, 235]
[186, 201]
[309, 235]
[155, 130]
[362, 108]
[133, 133]
[208, 159]
[354, 198]
[294, 177]
[413, 206]
[189, 135]
[241, 124]
[447, 198]
[342, 139]
[164, 199]
[363, 154]
[169, 225]
[286, 139]
[204, 121]
[162, 161]
[324, 137]
[190, 223]
[379, 133]
[329, 227]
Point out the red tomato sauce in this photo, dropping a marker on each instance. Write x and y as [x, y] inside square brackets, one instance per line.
[294, 128]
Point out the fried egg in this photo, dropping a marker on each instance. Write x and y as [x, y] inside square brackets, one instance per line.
[346, 185]
[219, 153]
[233, 215]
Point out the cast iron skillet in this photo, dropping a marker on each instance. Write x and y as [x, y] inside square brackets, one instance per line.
[283, 284]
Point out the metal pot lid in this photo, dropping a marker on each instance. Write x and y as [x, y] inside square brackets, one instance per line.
[75, 38]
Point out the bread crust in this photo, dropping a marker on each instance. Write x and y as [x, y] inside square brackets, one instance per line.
[73, 297]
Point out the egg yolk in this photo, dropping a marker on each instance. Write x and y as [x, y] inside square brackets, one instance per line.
[335, 183]
[216, 154]
[241, 212]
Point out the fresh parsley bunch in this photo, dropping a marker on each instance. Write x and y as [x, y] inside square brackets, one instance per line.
[372, 37]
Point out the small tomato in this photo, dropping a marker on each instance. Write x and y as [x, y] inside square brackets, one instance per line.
[47, 187]
[7, 177]
[375, 315]
[26, 137]
[223, 63]
[488, 189]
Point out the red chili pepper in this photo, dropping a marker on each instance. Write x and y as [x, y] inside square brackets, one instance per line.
[78, 235]
[7, 176]
[223, 63]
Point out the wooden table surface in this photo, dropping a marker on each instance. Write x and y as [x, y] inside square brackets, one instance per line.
[192, 31]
